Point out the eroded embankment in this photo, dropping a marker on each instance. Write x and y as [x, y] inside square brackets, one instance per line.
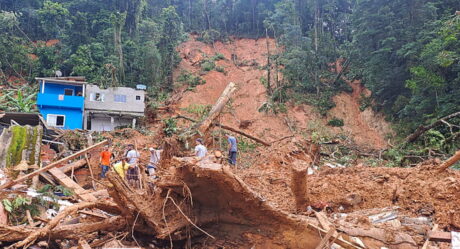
[243, 63]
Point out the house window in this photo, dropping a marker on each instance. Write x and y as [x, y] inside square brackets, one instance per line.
[55, 120]
[96, 97]
[68, 92]
[138, 97]
[120, 98]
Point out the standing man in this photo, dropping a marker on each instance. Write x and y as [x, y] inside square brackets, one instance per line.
[105, 160]
[232, 149]
[133, 172]
[200, 149]
[155, 155]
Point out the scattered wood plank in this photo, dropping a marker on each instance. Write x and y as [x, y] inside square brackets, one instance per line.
[52, 165]
[449, 162]
[74, 165]
[325, 241]
[427, 241]
[64, 180]
[90, 171]
[48, 178]
[440, 236]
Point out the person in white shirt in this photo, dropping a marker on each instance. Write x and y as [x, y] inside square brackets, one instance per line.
[155, 155]
[200, 149]
[132, 157]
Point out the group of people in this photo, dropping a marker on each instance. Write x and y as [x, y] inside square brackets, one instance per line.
[201, 150]
[127, 167]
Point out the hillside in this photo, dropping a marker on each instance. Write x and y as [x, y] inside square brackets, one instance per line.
[366, 128]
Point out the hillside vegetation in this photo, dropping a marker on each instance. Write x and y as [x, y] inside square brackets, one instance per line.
[406, 52]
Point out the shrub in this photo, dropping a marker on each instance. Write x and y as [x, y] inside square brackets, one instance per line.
[364, 102]
[197, 109]
[208, 65]
[217, 57]
[220, 69]
[336, 122]
[191, 80]
[170, 127]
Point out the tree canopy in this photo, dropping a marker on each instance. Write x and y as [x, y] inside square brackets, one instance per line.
[405, 51]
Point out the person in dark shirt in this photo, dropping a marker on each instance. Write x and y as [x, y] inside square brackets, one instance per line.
[232, 149]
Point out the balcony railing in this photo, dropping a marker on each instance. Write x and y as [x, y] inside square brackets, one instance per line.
[60, 100]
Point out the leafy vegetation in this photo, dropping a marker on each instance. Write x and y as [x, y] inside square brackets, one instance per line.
[336, 122]
[197, 109]
[170, 126]
[406, 52]
[191, 80]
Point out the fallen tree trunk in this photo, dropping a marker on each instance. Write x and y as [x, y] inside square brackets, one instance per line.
[422, 129]
[216, 108]
[228, 128]
[44, 231]
[449, 162]
[73, 232]
[52, 165]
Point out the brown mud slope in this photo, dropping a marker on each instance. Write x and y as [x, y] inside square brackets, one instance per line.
[419, 191]
[242, 63]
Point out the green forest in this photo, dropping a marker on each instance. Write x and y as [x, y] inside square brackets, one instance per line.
[407, 52]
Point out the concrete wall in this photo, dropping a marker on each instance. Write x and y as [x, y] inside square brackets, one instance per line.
[109, 104]
[104, 123]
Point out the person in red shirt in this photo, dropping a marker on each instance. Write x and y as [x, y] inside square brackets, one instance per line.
[105, 160]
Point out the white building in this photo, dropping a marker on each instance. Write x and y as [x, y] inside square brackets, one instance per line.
[106, 109]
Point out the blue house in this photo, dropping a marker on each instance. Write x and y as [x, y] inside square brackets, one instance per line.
[61, 101]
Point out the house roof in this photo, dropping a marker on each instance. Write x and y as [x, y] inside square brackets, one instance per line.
[65, 80]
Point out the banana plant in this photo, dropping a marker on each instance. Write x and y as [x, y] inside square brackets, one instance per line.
[19, 103]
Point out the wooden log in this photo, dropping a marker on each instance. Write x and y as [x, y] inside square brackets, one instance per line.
[449, 162]
[299, 184]
[422, 129]
[42, 232]
[228, 128]
[72, 232]
[217, 108]
[74, 165]
[52, 165]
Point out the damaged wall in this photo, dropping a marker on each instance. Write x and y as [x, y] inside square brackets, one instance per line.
[17, 142]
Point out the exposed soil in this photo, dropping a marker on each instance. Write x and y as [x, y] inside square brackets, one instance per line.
[366, 128]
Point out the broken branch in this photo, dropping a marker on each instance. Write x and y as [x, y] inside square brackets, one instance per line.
[422, 129]
[450, 161]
